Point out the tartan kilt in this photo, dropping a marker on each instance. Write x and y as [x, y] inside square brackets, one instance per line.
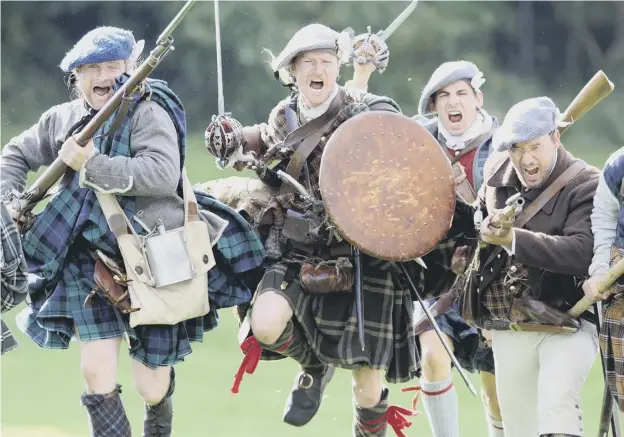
[330, 324]
[51, 318]
[469, 346]
[612, 347]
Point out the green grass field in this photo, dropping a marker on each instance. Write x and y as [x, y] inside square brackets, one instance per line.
[40, 389]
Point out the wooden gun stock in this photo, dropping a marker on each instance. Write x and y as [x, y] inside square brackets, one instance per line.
[592, 93]
[612, 275]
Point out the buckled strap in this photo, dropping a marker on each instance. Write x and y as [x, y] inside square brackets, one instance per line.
[534, 207]
[309, 135]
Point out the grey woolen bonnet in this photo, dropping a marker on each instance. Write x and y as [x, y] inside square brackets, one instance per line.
[525, 121]
[444, 75]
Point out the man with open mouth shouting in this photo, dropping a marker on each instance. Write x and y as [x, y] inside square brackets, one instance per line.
[141, 162]
[530, 272]
[302, 315]
[464, 130]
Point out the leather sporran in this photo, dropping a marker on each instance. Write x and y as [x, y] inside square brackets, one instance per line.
[325, 278]
[111, 283]
[180, 298]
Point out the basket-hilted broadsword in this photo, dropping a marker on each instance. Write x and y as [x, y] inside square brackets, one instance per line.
[378, 40]
[220, 98]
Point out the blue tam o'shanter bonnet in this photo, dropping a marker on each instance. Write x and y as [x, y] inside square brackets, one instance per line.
[102, 44]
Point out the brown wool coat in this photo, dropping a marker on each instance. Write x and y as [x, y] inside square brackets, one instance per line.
[556, 245]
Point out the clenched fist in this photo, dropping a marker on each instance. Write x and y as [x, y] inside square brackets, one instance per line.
[592, 291]
[74, 155]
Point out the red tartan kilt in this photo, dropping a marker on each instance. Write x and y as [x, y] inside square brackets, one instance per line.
[612, 347]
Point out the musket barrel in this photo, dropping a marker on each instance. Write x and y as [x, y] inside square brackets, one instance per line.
[176, 21]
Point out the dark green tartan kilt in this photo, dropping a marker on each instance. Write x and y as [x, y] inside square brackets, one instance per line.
[330, 325]
[53, 315]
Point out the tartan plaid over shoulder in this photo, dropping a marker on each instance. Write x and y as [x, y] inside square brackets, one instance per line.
[75, 212]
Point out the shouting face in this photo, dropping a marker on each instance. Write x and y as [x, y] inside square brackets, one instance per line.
[316, 73]
[457, 105]
[535, 159]
[96, 81]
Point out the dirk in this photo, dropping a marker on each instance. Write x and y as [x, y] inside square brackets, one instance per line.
[359, 307]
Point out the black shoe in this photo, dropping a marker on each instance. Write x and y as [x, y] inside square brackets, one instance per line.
[305, 398]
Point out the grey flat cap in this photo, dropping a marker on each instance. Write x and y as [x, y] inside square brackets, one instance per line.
[446, 74]
[525, 121]
[312, 37]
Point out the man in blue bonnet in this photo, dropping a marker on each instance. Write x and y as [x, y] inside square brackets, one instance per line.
[142, 164]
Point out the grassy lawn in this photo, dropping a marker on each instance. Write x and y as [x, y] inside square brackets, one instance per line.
[41, 388]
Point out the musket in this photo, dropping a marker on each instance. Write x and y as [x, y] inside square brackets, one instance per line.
[164, 44]
[613, 274]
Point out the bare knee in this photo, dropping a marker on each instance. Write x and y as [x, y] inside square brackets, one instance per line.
[151, 384]
[488, 394]
[98, 364]
[436, 364]
[269, 316]
[367, 387]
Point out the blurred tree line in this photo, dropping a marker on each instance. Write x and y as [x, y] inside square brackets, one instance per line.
[524, 48]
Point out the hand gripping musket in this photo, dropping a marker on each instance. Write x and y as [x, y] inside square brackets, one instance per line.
[39, 189]
[607, 282]
[513, 207]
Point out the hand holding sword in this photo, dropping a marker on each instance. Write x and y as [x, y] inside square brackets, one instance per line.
[371, 50]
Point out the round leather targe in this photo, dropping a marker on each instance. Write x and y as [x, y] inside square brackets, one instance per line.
[387, 186]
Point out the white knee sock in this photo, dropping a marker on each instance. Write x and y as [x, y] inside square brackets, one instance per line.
[495, 427]
[440, 401]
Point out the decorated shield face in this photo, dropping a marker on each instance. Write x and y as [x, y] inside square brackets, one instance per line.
[387, 186]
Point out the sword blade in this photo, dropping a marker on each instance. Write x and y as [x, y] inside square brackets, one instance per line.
[399, 20]
[436, 328]
[220, 99]
[359, 307]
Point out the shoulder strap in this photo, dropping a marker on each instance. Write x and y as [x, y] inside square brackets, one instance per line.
[118, 221]
[534, 207]
[463, 187]
[309, 135]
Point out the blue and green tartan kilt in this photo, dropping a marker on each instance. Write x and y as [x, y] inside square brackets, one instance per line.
[51, 319]
[471, 350]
